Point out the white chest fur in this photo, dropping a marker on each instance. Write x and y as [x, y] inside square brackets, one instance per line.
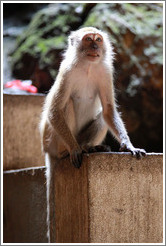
[85, 94]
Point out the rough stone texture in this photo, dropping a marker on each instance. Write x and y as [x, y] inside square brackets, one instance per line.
[25, 206]
[21, 138]
[71, 202]
[125, 199]
[112, 198]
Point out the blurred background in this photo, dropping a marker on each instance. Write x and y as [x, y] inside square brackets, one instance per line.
[35, 35]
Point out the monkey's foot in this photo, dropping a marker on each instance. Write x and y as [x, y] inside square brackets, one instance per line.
[76, 157]
[97, 148]
[138, 153]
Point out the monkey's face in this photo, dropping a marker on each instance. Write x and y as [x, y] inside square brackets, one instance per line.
[92, 46]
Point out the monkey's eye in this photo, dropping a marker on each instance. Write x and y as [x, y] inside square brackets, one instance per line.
[88, 39]
[98, 39]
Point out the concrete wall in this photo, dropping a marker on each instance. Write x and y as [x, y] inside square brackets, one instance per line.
[112, 198]
[24, 211]
[21, 139]
[126, 199]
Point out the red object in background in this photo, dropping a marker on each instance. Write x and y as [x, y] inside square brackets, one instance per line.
[22, 85]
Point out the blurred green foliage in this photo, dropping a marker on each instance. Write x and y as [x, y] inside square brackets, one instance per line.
[48, 30]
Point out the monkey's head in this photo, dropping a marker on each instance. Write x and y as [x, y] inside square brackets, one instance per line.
[90, 44]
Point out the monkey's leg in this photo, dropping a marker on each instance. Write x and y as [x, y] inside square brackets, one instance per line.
[92, 135]
[50, 163]
[99, 148]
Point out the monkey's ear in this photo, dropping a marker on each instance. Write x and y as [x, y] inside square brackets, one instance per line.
[71, 39]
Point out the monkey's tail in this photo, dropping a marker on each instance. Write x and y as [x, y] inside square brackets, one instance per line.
[50, 194]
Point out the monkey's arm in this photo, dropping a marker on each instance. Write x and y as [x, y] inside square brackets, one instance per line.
[114, 121]
[57, 119]
[58, 122]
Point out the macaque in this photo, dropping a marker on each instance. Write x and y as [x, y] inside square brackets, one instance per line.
[80, 107]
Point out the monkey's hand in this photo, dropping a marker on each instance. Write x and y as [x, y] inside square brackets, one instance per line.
[76, 157]
[96, 148]
[139, 153]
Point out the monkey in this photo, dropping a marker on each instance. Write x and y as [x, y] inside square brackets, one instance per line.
[81, 107]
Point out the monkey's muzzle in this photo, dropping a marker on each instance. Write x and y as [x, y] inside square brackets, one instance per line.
[93, 54]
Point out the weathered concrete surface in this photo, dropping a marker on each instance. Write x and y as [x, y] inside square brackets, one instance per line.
[123, 203]
[112, 198]
[71, 203]
[25, 206]
[21, 138]
[125, 197]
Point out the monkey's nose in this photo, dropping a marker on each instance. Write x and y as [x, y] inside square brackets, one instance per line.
[94, 46]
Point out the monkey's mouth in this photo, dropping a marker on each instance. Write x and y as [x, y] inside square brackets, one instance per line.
[93, 55]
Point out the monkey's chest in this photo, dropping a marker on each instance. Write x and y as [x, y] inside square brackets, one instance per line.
[84, 89]
[83, 96]
[86, 105]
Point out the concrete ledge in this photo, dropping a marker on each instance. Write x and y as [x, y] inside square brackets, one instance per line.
[21, 139]
[115, 198]
[112, 198]
[126, 199]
